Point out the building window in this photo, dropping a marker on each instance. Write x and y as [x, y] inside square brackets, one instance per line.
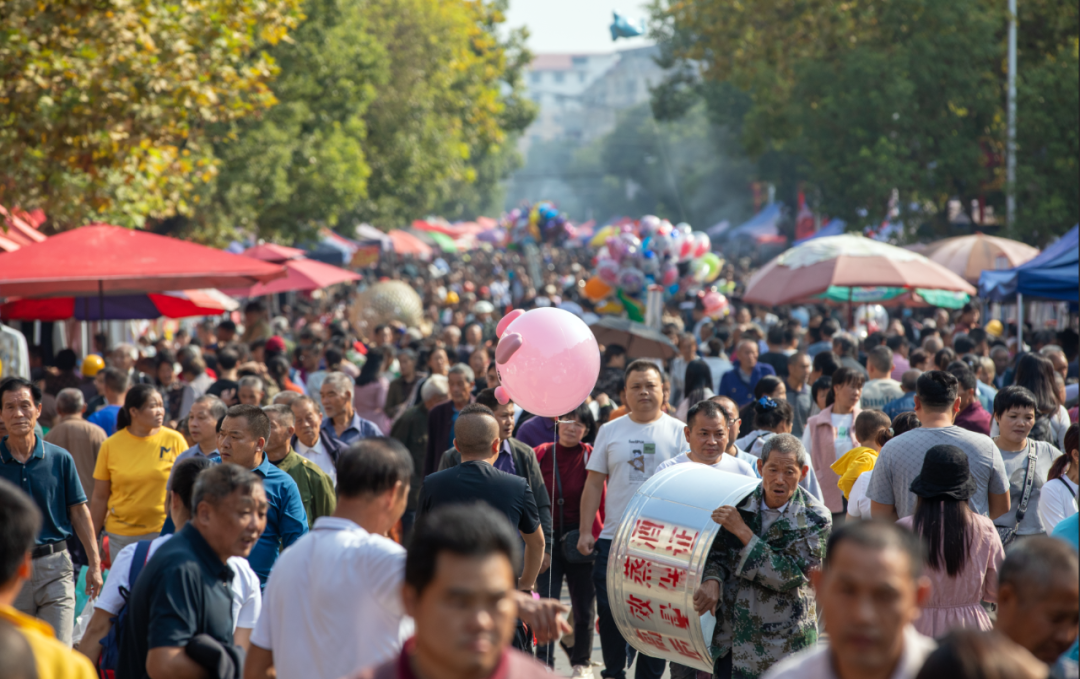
[536, 77]
[581, 77]
[559, 77]
[579, 61]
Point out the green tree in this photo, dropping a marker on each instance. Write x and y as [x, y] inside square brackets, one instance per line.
[440, 135]
[302, 164]
[864, 98]
[103, 104]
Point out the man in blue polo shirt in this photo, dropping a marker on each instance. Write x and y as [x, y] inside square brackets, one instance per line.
[342, 426]
[739, 382]
[244, 433]
[47, 474]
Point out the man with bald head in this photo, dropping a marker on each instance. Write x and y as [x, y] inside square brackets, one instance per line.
[738, 384]
[476, 437]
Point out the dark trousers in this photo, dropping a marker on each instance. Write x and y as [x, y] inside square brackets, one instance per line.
[611, 641]
[582, 599]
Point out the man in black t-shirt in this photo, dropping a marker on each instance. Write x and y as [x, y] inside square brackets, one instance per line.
[179, 615]
[476, 437]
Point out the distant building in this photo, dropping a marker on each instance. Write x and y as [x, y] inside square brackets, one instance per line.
[580, 95]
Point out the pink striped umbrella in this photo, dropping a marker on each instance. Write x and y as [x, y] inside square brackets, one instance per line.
[849, 261]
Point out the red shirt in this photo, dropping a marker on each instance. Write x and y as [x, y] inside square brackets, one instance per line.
[572, 474]
[974, 418]
[513, 665]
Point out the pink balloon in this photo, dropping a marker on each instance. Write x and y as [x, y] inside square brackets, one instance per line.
[555, 364]
[702, 244]
[714, 302]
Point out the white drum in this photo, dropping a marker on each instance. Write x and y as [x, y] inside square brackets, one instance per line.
[658, 556]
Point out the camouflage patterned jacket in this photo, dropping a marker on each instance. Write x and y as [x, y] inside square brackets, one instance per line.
[767, 608]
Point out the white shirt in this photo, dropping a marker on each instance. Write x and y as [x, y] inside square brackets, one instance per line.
[858, 504]
[246, 600]
[333, 605]
[726, 463]
[815, 662]
[845, 435]
[1056, 502]
[629, 453]
[319, 456]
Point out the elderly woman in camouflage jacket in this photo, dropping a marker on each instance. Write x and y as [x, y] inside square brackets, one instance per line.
[762, 563]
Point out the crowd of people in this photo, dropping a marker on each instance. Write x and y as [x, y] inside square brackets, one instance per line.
[288, 494]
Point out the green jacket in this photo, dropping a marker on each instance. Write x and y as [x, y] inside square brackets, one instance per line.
[411, 429]
[316, 488]
[767, 609]
[528, 468]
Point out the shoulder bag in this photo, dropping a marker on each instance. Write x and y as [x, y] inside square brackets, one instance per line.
[1008, 535]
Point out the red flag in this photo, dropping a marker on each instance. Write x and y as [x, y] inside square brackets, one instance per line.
[804, 221]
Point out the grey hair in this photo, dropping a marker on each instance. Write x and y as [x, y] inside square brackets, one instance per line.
[785, 444]
[286, 398]
[1034, 562]
[436, 385]
[462, 369]
[282, 411]
[217, 406]
[70, 401]
[220, 481]
[253, 381]
[339, 382]
[128, 349]
[999, 350]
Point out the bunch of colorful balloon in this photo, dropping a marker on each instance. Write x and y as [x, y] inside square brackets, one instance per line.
[537, 223]
[650, 252]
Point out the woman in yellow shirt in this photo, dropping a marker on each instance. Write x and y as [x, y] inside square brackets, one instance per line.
[132, 469]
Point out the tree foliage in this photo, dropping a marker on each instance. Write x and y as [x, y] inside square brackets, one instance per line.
[219, 116]
[866, 97]
[102, 104]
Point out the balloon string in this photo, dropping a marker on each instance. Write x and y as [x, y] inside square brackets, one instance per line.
[555, 461]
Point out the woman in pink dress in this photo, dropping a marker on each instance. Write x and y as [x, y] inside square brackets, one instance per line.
[369, 397]
[963, 548]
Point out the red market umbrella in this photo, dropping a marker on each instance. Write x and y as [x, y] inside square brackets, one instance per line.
[272, 252]
[178, 304]
[848, 261]
[302, 275]
[109, 260]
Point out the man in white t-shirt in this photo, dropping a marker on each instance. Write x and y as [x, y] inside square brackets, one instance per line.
[627, 452]
[246, 596]
[706, 431]
[307, 441]
[332, 605]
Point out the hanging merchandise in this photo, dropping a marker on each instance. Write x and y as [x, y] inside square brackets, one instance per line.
[651, 251]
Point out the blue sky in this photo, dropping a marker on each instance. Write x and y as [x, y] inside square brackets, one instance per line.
[574, 25]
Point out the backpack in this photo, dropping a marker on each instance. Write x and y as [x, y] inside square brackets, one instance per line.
[1043, 430]
[110, 644]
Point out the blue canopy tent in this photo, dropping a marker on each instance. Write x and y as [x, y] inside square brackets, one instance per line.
[834, 227]
[1053, 274]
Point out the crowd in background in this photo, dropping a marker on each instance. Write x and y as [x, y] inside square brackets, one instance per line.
[337, 444]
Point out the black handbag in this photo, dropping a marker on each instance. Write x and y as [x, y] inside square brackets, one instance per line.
[568, 541]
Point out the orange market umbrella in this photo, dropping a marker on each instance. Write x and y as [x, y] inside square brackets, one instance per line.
[847, 261]
[969, 256]
[404, 243]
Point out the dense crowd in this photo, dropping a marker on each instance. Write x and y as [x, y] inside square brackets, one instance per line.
[290, 492]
